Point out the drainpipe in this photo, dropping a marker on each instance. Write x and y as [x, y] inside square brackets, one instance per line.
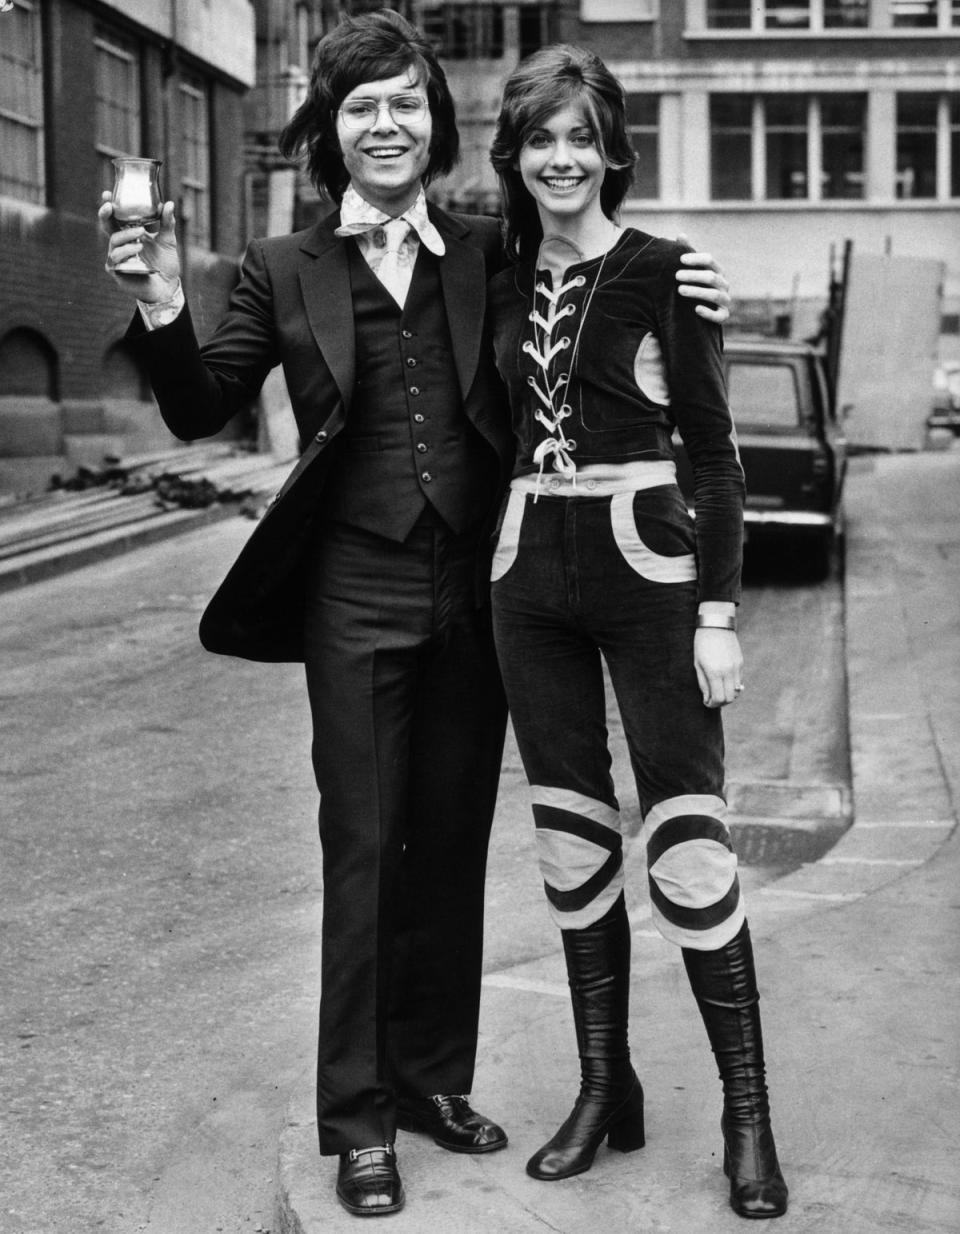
[171, 66]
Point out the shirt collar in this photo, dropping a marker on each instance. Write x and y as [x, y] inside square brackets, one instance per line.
[358, 216]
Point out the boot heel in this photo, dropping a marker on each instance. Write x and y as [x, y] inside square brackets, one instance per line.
[627, 1134]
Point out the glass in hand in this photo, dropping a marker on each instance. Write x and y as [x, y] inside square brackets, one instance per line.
[137, 202]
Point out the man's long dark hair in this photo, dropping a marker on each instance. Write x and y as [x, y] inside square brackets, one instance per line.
[543, 84]
[360, 49]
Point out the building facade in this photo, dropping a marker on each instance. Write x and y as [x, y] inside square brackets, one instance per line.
[775, 130]
[81, 82]
[771, 131]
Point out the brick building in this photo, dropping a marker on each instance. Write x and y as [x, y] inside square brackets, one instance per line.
[82, 81]
[770, 130]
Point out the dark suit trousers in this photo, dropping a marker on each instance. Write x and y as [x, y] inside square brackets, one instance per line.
[408, 719]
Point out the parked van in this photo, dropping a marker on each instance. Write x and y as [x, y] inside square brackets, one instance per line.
[792, 447]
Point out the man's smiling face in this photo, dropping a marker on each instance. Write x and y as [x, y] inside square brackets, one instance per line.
[386, 161]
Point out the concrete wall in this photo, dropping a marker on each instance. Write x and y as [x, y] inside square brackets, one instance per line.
[218, 32]
[781, 252]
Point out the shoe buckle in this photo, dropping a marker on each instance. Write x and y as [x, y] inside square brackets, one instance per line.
[440, 1099]
[355, 1153]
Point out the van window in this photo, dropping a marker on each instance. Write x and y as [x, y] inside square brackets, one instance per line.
[763, 396]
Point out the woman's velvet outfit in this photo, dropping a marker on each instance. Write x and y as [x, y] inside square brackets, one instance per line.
[608, 561]
[598, 559]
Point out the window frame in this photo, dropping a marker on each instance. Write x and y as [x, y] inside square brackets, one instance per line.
[122, 49]
[756, 20]
[31, 187]
[490, 29]
[640, 129]
[759, 139]
[196, 179]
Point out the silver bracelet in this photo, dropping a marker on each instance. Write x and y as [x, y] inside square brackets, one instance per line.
[713, 621]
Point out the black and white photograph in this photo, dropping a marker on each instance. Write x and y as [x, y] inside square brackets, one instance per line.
[479, 616]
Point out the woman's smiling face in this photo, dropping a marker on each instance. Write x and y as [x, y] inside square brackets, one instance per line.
[562, 166]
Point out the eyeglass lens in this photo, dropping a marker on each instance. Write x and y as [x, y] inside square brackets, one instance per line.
[404, 109]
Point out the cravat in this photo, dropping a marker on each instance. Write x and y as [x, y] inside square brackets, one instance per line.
[387, 269]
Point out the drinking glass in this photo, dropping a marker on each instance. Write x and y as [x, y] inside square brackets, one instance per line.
[137, 202]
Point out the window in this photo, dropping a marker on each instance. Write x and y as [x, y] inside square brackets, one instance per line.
[783, 147]
[479, 29]
[535, 28]
[763, 395]
[731, 137]
[928, 146]
[195, 137]
[21, 103]
[845, 14]
[914, 14]
[728, 14]
[117, 107]
[465, 31]
[643, 123]
[785, 133]
[787, 15]
[843, 123]
[916, 145]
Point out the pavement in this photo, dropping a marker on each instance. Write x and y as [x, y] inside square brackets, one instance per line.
[858, 956]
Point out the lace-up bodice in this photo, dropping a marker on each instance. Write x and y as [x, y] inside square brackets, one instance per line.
[551, 379]
[601, 367]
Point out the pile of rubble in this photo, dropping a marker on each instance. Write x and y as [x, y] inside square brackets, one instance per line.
[129, 500]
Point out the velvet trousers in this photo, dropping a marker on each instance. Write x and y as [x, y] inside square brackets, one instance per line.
[579, 581]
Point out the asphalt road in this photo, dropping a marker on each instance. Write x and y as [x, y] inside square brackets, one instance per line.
[160, 879]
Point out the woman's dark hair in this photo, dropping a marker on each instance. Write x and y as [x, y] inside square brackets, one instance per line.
[540, 86]
[361, 49]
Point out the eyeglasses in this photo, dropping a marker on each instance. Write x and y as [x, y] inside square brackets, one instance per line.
[364, 113]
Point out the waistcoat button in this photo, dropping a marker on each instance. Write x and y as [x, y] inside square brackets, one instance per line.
[426, 477]
[407, 333]
[418, 418]
[411, 363]
[422, 447]
[414, 390]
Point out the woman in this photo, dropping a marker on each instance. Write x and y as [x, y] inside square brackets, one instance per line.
[598, 557]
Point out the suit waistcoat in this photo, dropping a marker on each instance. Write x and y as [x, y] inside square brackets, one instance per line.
[406, 442]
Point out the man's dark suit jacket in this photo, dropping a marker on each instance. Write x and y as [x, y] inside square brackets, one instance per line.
[293, 307]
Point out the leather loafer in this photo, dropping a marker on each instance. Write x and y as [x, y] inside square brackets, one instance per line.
[451, 1122]
[368, 1182]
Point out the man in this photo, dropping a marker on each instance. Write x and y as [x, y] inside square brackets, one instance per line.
[371, 567]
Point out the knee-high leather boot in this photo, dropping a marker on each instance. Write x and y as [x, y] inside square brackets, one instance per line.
[610, 1102]
[724, 984]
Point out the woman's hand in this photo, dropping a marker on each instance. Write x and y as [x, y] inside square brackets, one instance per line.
[158, 251]
[704, 280]
[719, 663]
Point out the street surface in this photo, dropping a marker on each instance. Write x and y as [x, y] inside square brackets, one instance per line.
[160, 879]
